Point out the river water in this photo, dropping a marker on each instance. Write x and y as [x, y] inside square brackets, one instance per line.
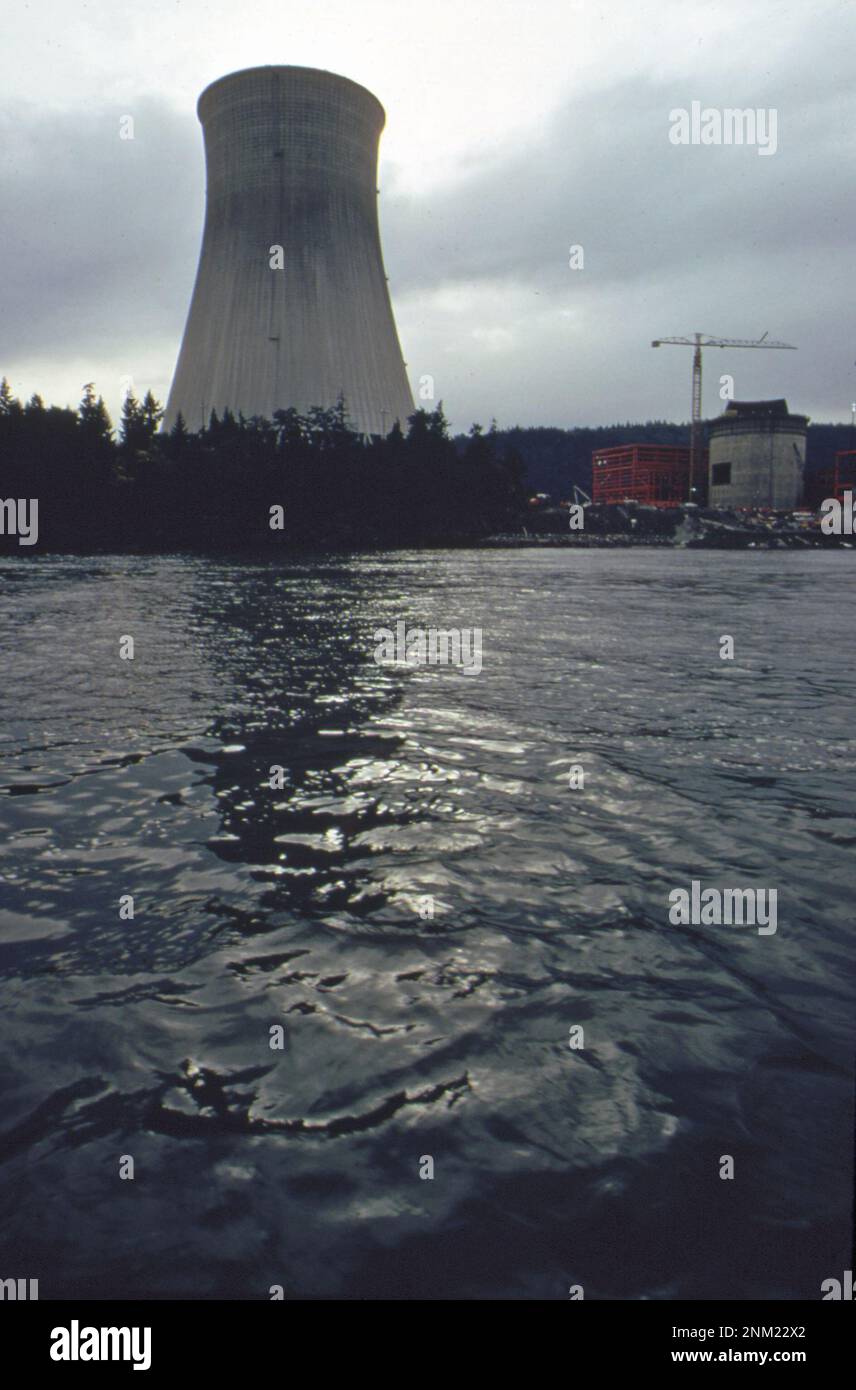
[411, 1037]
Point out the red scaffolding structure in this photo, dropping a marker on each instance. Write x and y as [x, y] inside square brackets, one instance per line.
[845, 473]
[655, 475]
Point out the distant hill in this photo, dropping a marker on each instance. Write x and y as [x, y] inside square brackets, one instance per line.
[556, 459]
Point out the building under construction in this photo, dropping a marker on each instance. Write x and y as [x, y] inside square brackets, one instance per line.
[844, 476]
[757, 456]
[824, 483]
[654, 475]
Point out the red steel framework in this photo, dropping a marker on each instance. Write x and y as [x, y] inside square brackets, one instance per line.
[844, 477]
[655, 475]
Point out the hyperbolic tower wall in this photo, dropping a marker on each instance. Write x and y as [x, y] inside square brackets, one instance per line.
[291, 157]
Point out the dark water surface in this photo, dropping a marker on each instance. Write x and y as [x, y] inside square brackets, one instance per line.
[409, 1037]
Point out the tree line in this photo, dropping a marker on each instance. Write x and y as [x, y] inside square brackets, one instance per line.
[307, 480]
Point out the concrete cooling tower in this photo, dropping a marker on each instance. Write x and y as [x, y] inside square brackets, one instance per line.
[291, 157]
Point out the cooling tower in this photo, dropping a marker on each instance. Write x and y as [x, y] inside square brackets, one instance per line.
[291, 159]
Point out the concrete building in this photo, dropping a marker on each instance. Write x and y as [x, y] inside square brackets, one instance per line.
[757, 456]
[290, 305]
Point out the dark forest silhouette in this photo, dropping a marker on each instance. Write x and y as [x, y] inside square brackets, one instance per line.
[215, 490]
[139, 488]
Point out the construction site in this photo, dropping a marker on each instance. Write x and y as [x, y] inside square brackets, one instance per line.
[741, 480]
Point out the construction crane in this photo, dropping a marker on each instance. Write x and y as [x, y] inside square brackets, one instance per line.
[699, 341]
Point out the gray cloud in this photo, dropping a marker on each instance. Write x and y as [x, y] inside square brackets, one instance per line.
[100, 235]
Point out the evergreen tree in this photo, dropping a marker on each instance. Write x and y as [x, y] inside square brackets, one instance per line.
[151, 414]
[178, 434]
[8, 403]
[94, 420]
[131, 429]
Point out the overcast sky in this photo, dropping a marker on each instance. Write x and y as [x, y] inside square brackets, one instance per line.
[514, 130]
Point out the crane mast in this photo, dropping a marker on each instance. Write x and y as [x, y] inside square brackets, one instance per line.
[697, 342]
